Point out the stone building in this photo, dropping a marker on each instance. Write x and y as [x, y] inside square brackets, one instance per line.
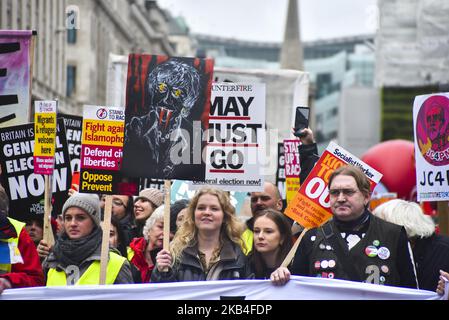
[74, 39]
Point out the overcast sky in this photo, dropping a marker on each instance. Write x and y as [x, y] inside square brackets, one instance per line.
[264, 20]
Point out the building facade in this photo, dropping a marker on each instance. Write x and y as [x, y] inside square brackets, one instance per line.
[120, 27]
[74, 39]
[48, 19]
[334, 65]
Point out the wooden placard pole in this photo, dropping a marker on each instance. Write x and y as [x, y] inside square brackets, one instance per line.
[443, 217]
[105, 239]
[166, 243]
[292, 251]
[48, 232]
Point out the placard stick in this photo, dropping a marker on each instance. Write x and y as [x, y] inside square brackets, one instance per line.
[48, 232]
[105, 239]
[292, 251]
[443, 217]
[166, 244]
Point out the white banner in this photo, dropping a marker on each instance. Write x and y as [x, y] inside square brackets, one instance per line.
[298, 288]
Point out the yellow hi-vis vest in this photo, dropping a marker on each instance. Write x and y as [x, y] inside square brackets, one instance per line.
[130, 253]
[13, 244]
[92, 275]
[248, 239]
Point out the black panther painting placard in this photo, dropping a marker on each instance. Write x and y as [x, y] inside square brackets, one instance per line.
[167, 113]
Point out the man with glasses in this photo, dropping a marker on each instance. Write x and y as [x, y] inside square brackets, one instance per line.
[123, 210]
[354, 245]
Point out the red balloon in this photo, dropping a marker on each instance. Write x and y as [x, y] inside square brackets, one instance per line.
[395, 159]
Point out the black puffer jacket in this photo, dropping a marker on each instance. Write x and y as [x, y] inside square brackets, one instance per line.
[233, 265]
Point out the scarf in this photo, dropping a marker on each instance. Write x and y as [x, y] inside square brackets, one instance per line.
[73, 252]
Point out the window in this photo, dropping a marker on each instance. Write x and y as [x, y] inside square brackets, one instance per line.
[72, 17]
[71, 80]
[324, 84]
[71, 36]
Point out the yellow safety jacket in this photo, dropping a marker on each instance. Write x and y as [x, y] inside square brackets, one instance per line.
[92, 275]
[248, 239]
[130, 253]
[13, 244]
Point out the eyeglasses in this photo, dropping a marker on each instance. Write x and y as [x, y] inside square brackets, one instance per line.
[118, 203]
[346, 192]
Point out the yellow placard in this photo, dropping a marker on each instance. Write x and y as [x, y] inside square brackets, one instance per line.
[291, 187]
[44, 134]
[103, 133]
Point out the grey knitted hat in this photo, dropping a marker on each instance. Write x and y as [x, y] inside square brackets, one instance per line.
[87, 202]
[154, 195]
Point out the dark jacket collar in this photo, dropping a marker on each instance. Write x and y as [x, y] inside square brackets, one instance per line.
[250, 223]
[359, 223]
[227, 253]
[7, 230]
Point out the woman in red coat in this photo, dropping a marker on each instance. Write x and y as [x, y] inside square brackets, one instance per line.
[22, 268]
[142, 251]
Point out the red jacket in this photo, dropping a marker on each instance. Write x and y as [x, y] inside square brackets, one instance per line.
[29, 273]
[138, 246]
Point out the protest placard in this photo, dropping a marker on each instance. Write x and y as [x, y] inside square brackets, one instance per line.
[285, 89]
[431, 128]
[280, 174]
[25, 189]
[44, 156]
[236, 137]
[16, 56]
[73, 127]
[167, 108]
[311, 206]
[44, 136]
[101, 160]
[101, 151]
[292, 168]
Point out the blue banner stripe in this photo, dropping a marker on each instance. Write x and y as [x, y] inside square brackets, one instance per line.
[5, 256]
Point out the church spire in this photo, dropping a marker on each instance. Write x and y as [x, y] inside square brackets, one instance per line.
[292, 51]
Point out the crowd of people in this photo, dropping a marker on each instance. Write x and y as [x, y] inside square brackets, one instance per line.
[394, 245]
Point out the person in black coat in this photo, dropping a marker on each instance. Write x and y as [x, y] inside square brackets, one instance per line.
[354, 245]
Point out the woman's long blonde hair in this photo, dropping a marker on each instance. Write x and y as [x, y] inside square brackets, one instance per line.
[187, 234]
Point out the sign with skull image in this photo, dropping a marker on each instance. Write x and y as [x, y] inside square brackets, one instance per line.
[167, 111]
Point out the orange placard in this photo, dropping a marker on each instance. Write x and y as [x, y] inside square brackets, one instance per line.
[311, 205]
[379, 198]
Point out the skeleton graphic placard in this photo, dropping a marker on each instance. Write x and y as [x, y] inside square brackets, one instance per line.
[167, 109]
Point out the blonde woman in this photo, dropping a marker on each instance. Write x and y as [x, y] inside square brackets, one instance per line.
[208, 244]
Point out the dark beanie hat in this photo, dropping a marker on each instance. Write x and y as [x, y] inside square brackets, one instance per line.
[175, 208]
